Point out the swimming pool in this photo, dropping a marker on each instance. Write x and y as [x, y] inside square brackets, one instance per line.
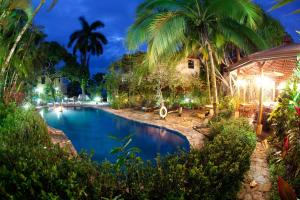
[90, 129]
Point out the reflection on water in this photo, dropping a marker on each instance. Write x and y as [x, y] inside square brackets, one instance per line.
[89, 129]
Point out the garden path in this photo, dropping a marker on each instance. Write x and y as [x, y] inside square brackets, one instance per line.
[257, 184]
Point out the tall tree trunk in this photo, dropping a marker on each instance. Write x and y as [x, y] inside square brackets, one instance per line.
[213, 80]
[85, 70]
[20, 36]
[238, 54]
[208, 80]
[82, 85]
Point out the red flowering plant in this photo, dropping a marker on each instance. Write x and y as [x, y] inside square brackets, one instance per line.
[297, 108]
[285, 120]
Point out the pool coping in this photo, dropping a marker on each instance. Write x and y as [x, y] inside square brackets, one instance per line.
[188, 134]
[194, 138]
[58, 137]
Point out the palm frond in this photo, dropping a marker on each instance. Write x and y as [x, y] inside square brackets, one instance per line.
[96, 25]
[241, 35]
[53, 3]
[241, 10]
[138, 33]
[170, 5]
[100, 37]
[74, 36]
[85, 25]
[281, 3]
[167, 33]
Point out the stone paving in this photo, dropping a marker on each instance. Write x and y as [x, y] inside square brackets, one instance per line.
[59, 137]
[183, 124]
[257, 183]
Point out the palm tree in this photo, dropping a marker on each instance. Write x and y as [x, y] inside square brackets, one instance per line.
[169, 26]
[88, 41]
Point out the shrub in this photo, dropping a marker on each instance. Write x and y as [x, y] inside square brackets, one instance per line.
[226, 125]
[216, 172]
[32, 168]
[119, 101]
[228, 156]
[285, 120]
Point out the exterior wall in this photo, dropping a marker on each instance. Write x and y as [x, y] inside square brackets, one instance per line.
[184, 69]
[61, 83]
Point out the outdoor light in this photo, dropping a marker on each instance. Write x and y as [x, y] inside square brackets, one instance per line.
[265, 82]
[281, 86]
[58, 109]
[26, 106]
[39, 90]
[97, 99]
[241, 83]
[38, 101]
[42, 113]
[187, 100]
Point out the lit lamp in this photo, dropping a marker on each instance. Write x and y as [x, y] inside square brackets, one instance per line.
[262, 82]
[281, 86]
[58, 109]
[97, 99]
[39, 90]
[26, 106]
[241, 83]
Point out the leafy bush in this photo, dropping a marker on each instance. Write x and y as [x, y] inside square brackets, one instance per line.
[119, 101]
[226, 125]
[32, 168]
[215, 172]
[228, 156]
[285, 151]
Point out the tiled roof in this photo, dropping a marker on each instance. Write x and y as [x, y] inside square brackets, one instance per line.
[278, 63]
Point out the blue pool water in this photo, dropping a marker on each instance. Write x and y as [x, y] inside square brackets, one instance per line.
[90, 129]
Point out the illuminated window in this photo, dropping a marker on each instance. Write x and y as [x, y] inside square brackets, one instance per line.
[191, 64]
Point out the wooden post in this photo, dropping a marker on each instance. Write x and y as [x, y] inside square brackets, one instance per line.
[230, 84]
[237, 111]
[260, 114]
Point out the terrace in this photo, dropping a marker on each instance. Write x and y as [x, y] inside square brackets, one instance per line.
[260, 78]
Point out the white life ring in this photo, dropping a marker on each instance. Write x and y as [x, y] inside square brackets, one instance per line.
[163, 112]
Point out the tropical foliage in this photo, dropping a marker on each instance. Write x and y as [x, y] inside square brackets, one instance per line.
[285, 119]
[88, 42]
[281, 3]
[19, 40]
[272, 31]
[195, 27]
[136, 84]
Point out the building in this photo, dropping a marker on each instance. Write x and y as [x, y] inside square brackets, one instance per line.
[257, 79]
[189, 66]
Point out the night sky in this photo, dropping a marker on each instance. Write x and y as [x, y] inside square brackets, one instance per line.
[118, 15]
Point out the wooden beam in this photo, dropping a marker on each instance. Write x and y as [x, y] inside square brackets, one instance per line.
[261, 90]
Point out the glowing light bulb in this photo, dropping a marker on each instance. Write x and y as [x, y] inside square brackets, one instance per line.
[241, 83]
[39, 90]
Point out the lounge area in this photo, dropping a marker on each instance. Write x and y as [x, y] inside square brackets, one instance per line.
[258, 79]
